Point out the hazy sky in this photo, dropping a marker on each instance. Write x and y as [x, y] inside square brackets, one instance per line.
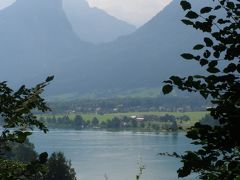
[133, 11]
[4, 3]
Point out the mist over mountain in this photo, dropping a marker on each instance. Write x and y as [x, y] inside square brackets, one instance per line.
[142, 59]
[94, 25]
[37, 40]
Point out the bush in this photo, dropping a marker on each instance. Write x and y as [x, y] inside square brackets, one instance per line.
[59, 168]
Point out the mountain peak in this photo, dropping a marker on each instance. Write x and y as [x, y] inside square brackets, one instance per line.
[94, 25]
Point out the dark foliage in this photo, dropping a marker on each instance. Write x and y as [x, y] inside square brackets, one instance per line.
[23, 152]
[17, 122]
[219, 54]
[59, 168]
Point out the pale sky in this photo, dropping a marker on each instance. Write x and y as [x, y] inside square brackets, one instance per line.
[135, 12]
[5, 3]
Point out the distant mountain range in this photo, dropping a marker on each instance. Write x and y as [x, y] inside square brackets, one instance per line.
[94, 25]
[37, 39]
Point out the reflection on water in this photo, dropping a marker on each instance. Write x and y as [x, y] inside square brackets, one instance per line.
[116, 154]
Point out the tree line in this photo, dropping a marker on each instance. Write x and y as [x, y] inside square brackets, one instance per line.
[146, 122]
[105, 106]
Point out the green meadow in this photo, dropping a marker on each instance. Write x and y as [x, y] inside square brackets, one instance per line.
[194, 116]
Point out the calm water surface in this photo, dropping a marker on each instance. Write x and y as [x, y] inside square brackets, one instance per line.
[116, 154]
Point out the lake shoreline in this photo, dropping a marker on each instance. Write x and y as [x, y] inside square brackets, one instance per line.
[115, 153]
[118, 130]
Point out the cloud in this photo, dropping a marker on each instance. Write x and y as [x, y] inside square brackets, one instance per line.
[133, 11]
[5, 3]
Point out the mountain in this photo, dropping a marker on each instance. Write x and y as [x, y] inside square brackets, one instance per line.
[36, 40]
[94, 25]
[142, 59]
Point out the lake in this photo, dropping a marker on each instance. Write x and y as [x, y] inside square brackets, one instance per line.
[95, 154]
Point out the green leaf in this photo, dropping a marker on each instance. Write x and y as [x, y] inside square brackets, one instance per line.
[21, 137]
[167, 89]
[43, 157]
[205, 10]
[208, 42]
[28, 133]
[185, 5]
[217, 7]
[192, 15]
[216, 54]
[230, 5]
[207, 54]
[187, 56]
[199, 77]
[213, 70]
[197, 58]
[176, 80]
[198, 47]
[203, 62]
[212, 17]
[49, 78]
[204, 26]
[184, 171]
[230, 68]
[222, 21]
[213, 63]
[187, 22]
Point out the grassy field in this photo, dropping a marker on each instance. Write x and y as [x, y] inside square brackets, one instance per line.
[194, 116]
[133, 93]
